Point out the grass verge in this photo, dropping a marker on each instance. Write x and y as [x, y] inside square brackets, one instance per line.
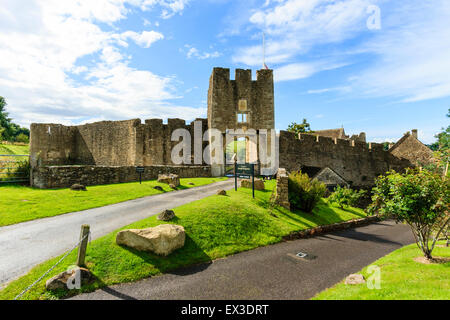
[216, 226]
[402, 278]
[14, 149]
[20, 203]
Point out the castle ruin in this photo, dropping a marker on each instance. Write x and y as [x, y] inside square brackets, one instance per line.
[109, 151]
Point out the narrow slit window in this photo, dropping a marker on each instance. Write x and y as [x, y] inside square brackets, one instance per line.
[242, 118]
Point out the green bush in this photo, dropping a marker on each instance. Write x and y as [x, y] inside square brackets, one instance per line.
[419, 198]
[304, 193]
[23, 138]
[346, 197]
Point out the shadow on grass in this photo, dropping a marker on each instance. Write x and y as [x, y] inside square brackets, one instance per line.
[190, 254]
[185, 261]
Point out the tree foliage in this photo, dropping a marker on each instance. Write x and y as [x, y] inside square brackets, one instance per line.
[300, 127]
[8, 130]
[441, 148]
[346, 197]
[419, 198]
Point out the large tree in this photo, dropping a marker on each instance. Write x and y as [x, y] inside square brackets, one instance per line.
[8, 130]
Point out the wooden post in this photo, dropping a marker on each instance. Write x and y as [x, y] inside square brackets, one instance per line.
[83, 245]
[235, 175]
[253, 180]
[446, 170]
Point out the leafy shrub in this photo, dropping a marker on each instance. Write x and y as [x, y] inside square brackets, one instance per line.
[23, 138]
[346, 197]
[304, 193]
[419, 198]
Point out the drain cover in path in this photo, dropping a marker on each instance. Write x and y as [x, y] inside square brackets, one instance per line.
[302, 256]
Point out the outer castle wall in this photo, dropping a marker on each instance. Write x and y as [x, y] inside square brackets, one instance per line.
[108, 151]
[104, 152]
[357, 162]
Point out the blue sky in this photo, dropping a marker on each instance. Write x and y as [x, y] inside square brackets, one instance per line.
[377, 66]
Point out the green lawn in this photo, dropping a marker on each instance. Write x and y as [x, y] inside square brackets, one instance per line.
[216, 226]
[14, 149]
[20, 203]
[402, 278]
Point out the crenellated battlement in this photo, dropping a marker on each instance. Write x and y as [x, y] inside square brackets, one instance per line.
[356, 161]
[107, 143]
[241, 75]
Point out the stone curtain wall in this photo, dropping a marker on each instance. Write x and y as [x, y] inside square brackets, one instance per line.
[108, 152]
[65, 176]
[108, 143]
[355, 161]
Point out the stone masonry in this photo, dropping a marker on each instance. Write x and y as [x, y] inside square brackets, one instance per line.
[109, 151]
[282, 190]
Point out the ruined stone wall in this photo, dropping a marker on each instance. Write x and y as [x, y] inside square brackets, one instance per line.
[65, 176]
[52, 144]
[224, 96]
[355, 161]
[108, 143]
[156, 143]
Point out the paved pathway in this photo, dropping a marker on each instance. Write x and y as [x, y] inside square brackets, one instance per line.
[27, 244]
[271, 272]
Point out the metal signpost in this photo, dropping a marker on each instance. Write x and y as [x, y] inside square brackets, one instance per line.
[246, 171]
[140, 170]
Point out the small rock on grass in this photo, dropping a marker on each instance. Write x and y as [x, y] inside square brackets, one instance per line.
[78, 187]
[355, 279]
[158, 188]
[222, 193]
[166, 215]
[60, 280]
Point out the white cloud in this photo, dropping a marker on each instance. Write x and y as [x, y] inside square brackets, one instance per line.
[326, 90]
[44, 44]
[406, 59]
[144, 39]
[193, 52]
[293, 27]
[412, 60]
[169, 7]
[296, 71]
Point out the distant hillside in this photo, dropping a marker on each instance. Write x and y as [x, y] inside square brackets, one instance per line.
[14, 149]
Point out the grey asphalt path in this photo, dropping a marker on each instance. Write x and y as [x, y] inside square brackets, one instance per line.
[271, 272]
[25, 245]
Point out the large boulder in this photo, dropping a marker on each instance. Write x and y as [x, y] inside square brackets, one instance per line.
[170, 179]
[247, 183]
[162, 240]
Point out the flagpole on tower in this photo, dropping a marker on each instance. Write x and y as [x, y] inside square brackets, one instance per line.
[264, 51]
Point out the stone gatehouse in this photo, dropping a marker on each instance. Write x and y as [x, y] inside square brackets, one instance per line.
[108, 151]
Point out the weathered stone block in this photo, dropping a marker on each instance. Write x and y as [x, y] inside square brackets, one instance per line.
[162, 240]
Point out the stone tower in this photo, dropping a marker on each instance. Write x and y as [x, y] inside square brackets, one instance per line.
[242, 103]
